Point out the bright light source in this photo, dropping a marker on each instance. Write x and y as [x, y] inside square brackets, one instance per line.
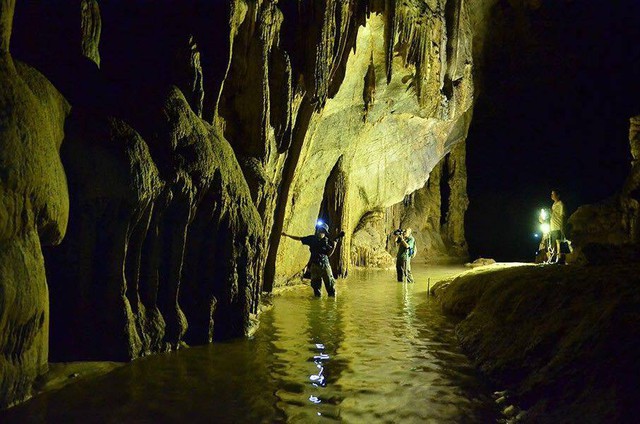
[545, 228]
[543, 214]
[536, 235]
[319, 223]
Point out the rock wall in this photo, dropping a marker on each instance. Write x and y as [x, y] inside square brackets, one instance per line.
[392, 120]
[155, 195]
[435, 213]
[34, 208]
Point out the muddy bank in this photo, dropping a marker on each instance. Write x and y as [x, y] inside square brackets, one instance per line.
[562, 340]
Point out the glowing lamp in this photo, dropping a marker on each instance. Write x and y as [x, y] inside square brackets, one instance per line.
[545, 228]
[543, 214]
[319, 223]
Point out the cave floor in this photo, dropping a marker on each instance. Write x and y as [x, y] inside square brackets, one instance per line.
[380, 351]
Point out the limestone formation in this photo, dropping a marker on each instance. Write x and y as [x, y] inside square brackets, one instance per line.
[334, 211]
[409, 128]
[34, 207]
[369, 242]
[453, 227]
[143, 167]
[90, 28]
[114, 184]
[632, 185]
[435, 213]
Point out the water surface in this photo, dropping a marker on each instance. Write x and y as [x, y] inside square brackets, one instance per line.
[380, 352]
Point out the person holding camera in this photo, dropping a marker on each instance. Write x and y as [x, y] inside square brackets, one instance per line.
[406, 251]
[321, 248]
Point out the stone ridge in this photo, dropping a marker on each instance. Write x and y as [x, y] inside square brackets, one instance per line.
[560, 340]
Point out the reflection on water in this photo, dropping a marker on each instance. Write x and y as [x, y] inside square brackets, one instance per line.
[379, 352]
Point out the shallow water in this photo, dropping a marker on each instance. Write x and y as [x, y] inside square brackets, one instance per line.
[380, 351]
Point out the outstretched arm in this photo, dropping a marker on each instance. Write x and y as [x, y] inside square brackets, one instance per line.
[299, 238]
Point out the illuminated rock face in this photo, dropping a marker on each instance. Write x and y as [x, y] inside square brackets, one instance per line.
[435, 213]
[390, 122]
[192, 144]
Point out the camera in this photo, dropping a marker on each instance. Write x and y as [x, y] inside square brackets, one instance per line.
[398, 232]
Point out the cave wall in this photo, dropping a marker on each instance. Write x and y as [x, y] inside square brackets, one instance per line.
[155, 193]
[391, 126]
[34, 207]
[191, 135]
[435, 213]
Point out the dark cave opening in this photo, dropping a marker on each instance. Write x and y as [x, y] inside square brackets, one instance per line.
[555, 95]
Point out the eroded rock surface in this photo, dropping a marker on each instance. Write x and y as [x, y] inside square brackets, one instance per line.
[561, 340]
[34, 208]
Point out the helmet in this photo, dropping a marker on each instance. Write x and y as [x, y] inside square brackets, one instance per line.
[321, 226]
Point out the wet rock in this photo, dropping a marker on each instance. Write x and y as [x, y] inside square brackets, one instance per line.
[574, 360]
[480, 262]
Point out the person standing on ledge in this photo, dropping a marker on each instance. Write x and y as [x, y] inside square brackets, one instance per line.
[406, 251]
[556, 233]
[321, 248]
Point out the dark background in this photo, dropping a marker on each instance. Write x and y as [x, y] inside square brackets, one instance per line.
[556, 90]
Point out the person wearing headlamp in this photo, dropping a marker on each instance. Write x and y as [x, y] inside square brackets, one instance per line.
[321, 248]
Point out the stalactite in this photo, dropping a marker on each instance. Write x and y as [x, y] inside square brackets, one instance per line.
[335, 211]
[453, 229]
[189, 74]
[90, 28]
[389, 36]
[369, 91]
[7, 8]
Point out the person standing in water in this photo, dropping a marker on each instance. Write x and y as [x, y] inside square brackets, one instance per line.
[321, 248]
[406, 251]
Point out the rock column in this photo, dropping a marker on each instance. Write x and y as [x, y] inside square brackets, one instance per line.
[34, 207]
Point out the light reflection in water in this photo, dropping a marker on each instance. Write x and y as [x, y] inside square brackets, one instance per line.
[383, 353]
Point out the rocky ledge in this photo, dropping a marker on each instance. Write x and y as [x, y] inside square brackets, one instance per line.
[560, 342]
